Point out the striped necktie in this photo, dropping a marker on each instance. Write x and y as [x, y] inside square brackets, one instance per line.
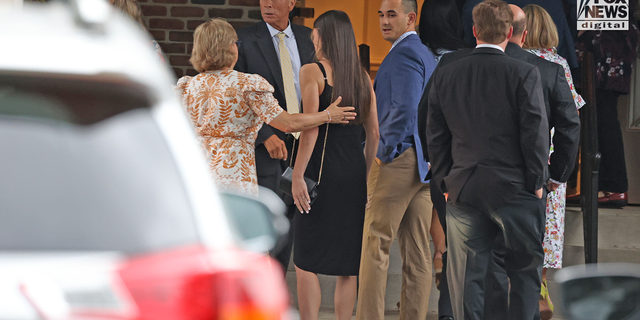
[287, 78]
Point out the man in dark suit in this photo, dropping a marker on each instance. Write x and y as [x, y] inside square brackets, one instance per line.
[555, 8]
[262, 45]
[488, 142]
[563, 116]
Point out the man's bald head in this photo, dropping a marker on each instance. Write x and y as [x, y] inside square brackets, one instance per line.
[519, 20]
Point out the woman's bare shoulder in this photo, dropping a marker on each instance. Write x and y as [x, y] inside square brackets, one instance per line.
[311, 70]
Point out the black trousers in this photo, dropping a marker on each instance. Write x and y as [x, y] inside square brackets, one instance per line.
[496, 294]
[613, 170]
[471, 235]
[496, 297]
[271, 181]
[440, 204]
[496, 282]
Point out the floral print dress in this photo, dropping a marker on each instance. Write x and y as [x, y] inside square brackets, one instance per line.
[554, 230]
[553, 56]
[227, 108]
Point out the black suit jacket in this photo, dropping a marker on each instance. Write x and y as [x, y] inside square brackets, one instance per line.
[560, 106]
[561, 112]
[258, 55]
[487, 129]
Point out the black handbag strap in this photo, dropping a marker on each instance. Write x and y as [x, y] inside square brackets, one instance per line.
[324, 146]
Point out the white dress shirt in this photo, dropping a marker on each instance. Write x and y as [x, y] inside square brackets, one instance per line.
[404, 35]
[488, 45]
[292, 46]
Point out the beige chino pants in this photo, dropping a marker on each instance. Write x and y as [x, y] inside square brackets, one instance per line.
[399, 204]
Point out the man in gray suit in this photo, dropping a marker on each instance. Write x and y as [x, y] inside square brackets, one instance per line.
[488, 141]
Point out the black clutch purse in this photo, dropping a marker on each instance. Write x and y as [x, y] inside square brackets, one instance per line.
[312, 186]
[285, 184]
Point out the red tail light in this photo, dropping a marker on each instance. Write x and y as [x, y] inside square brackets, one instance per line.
[198, 284]
[245, 296]
[250, 294]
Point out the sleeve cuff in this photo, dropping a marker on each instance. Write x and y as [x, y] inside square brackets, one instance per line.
[555, 181]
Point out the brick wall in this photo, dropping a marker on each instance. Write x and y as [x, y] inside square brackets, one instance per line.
[172, 22]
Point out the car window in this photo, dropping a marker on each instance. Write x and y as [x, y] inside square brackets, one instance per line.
[70, 98]
[70, 184]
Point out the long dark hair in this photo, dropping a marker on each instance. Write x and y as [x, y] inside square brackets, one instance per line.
[441, 25]
[338, 45]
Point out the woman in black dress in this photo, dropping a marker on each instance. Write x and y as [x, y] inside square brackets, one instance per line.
[328, 232]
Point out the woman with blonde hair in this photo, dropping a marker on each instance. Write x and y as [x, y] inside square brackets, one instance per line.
[541, 40]
[228, 107]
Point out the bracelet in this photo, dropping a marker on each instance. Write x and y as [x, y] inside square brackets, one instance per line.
[329, 114]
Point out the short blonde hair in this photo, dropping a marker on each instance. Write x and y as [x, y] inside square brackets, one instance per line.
[492, 19]
[212, 43]
[543, 33]
[131, 8]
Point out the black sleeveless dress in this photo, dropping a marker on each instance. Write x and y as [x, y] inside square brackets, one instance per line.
[328, 240]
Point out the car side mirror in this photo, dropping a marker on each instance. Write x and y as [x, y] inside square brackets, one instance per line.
[259, 222]
[601, 291]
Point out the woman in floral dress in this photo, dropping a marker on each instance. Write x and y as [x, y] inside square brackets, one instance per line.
[542, 39]
[227, 108]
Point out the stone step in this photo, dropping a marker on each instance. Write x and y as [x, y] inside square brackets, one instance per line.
[618, 236]
[394, 284]
[392, 296]
[617, 228]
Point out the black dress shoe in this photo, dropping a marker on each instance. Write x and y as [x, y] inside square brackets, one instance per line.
[445, 318]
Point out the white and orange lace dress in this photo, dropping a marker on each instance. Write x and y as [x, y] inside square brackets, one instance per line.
[227, 108]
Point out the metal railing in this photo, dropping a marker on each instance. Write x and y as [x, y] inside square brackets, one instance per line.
[590, 158]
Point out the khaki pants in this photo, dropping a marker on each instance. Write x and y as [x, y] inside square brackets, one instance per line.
[398, 204]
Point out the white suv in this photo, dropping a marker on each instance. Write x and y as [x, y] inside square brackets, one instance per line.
[107, 208]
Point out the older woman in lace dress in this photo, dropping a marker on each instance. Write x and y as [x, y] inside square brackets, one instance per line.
[227, 108]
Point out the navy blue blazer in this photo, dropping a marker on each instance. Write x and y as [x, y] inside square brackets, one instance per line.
[399, 84]
[258, 55]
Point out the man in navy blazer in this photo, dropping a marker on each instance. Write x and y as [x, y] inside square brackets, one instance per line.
[259, 54]
[398, 192]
